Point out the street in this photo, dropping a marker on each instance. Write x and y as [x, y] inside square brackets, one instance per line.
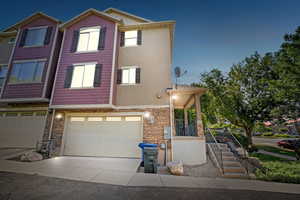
[20, 186]
[269, 141]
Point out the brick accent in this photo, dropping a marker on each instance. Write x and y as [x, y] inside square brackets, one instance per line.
[152, 132]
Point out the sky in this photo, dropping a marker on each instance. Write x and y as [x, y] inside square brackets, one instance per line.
[209, 33]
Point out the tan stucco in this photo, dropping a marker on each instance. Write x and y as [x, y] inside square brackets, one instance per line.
[5, 49]
[154, 59]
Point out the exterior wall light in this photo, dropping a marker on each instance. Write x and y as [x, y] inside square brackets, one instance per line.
[149, 117]
[59, 116]
[174, 97]
[147, 114]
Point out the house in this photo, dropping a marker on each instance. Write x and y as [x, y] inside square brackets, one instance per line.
[112, 89]
[27, 79]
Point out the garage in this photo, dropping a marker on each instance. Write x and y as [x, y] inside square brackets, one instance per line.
[107, 136]
[21, 129]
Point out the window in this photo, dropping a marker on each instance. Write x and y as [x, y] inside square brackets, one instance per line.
[132, 119]
[12, 40]
[26, 114]
[129, 75]
[83, 76]
[130, 38]
[113, 119]
[3, 72]
[35, 36]
[77, 119]
[88, 39]
[95, 119]
[11, 114]
[27, 72]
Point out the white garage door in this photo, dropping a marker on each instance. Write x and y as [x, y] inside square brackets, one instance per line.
[103, 136]
[21, 129]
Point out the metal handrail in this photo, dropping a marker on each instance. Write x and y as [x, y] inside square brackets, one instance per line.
[219, 149]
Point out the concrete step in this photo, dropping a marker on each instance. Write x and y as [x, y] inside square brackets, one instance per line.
[227, 153]
[228, 158]
[231, 163]
[234, 169]
[235, 175]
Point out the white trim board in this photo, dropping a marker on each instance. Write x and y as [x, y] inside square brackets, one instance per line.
[91, 106]
[112, 81]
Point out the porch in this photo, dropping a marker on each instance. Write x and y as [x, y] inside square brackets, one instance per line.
[188, 139]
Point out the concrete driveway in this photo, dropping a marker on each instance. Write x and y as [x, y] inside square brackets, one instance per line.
[102, 170]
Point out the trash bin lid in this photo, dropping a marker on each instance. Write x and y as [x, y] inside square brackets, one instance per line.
[143, 145]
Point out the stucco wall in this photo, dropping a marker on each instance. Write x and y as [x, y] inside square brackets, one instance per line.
[154, 59]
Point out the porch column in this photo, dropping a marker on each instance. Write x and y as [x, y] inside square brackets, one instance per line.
[200, 131]
[186, 121]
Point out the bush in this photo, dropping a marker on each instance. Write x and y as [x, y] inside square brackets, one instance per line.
[283, 130]
[242, 139]
[279, 171]
[267, 134]
[282, 135]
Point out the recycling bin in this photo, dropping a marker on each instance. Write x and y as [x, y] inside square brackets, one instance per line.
[142, 146]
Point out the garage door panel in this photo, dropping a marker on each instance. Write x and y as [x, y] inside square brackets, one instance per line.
[103, 138]
[21, 131]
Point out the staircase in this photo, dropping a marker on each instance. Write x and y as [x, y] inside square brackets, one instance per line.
[232, 168]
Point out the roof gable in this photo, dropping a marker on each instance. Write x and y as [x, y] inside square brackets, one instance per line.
[87, 13]
[126, 15]
[30, 19]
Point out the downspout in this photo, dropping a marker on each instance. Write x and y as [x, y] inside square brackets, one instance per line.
[51, 125]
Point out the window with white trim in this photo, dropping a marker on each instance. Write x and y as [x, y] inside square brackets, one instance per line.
[12, 40]
[88, 39]
[129, 75]
[83, 76]
[113, 119]
[3, 72]
[27, 72]
[35, 36]
[130, 38]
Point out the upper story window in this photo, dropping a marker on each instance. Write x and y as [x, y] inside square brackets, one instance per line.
[83, 76]
[88, 39]
[129, 75]
[27, 72]
[3, 72]
[35, 37]
[131, 38]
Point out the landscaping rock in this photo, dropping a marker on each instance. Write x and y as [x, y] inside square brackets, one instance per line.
[176, 168]
[31, 157]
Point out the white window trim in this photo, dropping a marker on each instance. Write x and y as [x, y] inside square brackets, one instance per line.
[128, 67]
[24, 61]
[80, 64]
[135, 45]
[88, 51]
[33, 28]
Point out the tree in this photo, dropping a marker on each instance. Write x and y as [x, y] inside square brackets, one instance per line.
[287, 86]
[243, 97]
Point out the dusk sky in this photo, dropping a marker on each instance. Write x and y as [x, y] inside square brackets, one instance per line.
[209, 33]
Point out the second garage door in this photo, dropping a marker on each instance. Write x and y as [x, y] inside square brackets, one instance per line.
[103, 136]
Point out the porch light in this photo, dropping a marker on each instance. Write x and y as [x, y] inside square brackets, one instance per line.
[59, 116]
[147, 114]
[174, 97]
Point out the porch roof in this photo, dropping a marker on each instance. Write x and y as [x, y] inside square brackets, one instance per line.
[183, 95]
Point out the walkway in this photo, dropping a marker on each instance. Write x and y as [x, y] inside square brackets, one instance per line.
[277, 155]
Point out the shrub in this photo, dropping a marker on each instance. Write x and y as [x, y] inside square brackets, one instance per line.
[282, 135]
[242, 139]
[283, 130]
[285, 172]
[268, 134]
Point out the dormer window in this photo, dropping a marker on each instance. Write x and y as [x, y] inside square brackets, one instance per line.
[88, 39]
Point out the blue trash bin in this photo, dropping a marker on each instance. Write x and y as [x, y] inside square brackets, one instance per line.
[142, 146]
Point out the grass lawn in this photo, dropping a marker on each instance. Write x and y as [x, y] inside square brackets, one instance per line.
[276, 150]
[277, 169]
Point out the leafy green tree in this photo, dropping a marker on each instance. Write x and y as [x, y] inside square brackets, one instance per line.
[244, 96]
[287, 86]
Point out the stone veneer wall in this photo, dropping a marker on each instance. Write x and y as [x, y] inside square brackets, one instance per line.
[153, 133]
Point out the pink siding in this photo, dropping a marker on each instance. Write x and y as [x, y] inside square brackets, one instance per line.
[34, 90]
[97, 95]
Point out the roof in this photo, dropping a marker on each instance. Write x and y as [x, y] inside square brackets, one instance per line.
[148, 25]
[29, 19]
[110, 10]
[88, 13]
[8, 34]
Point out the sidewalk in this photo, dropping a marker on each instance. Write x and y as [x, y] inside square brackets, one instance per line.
[127, 178]
[277, 155]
